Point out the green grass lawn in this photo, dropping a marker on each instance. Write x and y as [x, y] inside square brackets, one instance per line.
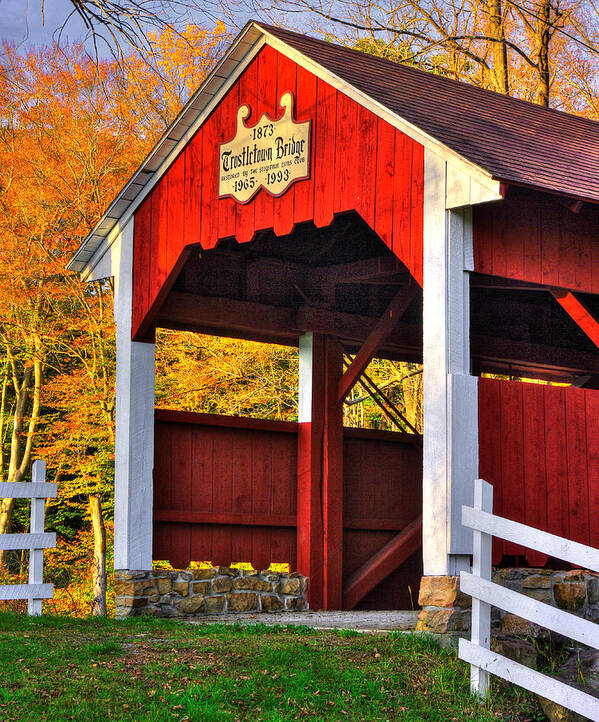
[57, 668]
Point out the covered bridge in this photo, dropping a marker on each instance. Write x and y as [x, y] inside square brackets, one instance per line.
[314, 196]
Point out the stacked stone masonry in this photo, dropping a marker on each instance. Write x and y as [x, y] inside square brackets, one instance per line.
[194, 592]
[445, 609]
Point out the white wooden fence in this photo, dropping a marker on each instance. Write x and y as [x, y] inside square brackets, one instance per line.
[36, 540]
[485, 594]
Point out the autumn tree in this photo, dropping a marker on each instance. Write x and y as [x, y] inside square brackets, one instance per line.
[72, 132]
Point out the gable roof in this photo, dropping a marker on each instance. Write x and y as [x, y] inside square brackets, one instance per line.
[507, 139]
[516, 141]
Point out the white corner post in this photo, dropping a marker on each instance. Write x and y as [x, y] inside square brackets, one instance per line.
[450, 394]
[134, 440]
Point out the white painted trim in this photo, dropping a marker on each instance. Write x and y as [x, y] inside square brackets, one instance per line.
[537, 612]
[450, 394]
[26, 591]
[554, 546]
[306, 362]
[481, 611]
[45, 540]
[27, 490]
[476, 186]
[134, 433]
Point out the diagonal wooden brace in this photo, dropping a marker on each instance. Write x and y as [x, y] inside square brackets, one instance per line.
[383, 328]
[385, 561]
[579, 313]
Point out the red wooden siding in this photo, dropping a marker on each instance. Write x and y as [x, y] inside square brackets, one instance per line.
[537, 238]
[539, 447]
[359, 162]
[225, 491]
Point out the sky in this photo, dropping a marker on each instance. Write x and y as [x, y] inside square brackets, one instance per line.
[21, 22]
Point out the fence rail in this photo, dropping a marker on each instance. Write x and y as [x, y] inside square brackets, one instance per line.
[485, 593]
[36, 540]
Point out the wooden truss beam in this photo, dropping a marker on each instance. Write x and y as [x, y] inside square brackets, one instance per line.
[262, 322]
[579, 313]
[382, 329]
[385, 561]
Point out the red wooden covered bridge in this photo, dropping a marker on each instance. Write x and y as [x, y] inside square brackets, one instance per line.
[314, 196]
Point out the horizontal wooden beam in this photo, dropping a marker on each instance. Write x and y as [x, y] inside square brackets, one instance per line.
[208, 312]
[43, 540]
[541, 356]
[27, 490]
[230, 422]
[383, 563]
[222, 517]
[253, 321]
[26, 591]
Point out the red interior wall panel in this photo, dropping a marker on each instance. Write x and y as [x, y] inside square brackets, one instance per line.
[539, 447]
[358, 162]
[536, 237]
[225, 490]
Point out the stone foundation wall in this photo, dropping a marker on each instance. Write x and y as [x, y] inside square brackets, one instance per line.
[176, 593]
[445, 609]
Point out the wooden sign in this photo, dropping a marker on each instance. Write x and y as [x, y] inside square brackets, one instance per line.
[272, 155]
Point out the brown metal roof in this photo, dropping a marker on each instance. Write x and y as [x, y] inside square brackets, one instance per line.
[515, 141]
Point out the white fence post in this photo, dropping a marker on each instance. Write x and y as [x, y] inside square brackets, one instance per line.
[481, 567]
[36, 526]
[485, 593]
[38, 490]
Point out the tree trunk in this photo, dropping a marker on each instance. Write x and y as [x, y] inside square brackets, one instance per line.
[99, 564]
[496, 31]
[543, 39]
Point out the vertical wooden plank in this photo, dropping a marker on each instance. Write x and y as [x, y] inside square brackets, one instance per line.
[483, 233]
[227, 114]
[515, 232]
[550, 239]
[365, 172]
[241, 541]
[283, 205]
[578, 497]
[201, 492]
[512, 461]
[266, 102]
[247, 95]
[532, 244]
[569, 257]
[555, 462]
[209, 222]
[306, 109]
[261, 473]
[500, 243]
[416, 213]
[193, 189]
[142, 230]
[162, 486]
[385, 164]
[332, 480]
[591, 398]
[175, 224]
[490, 451]
[402, 192]
[224, 451]
[535, 481]
[159, 258]
[346, 145]
[324, 164]
[587, 233]
[181, 493]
